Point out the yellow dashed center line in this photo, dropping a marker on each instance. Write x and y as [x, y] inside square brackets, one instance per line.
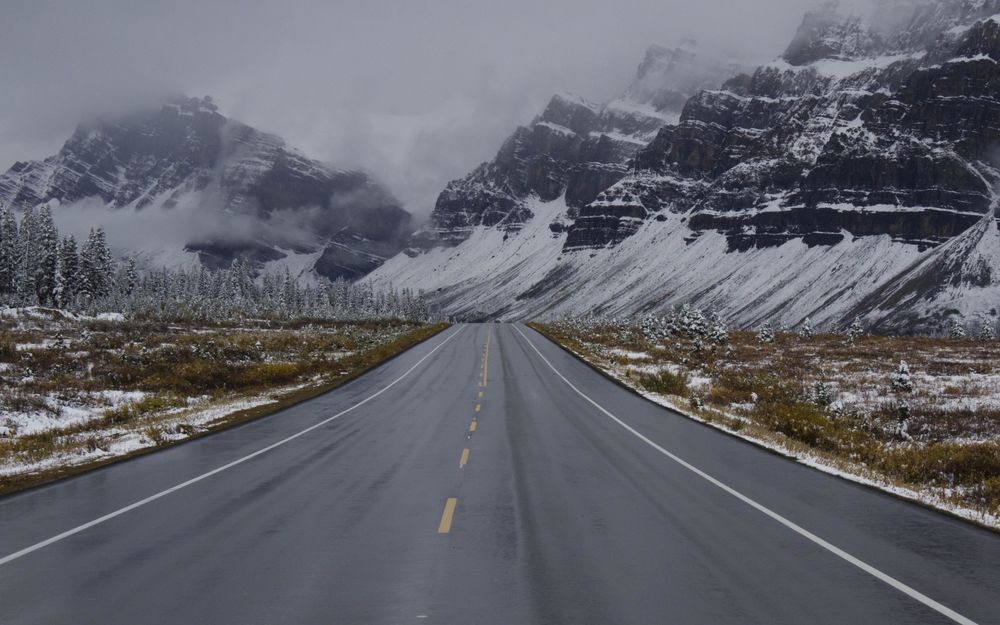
[449, 512]
[449, 507]
[486, 358]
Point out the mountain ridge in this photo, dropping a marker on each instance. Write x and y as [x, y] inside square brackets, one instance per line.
[186, 152]
[573, 147]
[867, 139]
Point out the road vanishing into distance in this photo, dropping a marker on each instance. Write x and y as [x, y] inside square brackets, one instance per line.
[485, 476]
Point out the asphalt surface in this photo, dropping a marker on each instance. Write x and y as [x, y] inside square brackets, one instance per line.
[559, 514]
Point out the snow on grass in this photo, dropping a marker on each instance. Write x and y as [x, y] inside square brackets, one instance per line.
[938, 453]
[123, 441]
[74, 391]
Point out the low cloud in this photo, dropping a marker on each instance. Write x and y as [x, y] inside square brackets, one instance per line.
[155, 231]
[416, 92]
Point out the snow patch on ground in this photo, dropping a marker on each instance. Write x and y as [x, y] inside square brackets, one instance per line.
[854, 473]
[121, 441]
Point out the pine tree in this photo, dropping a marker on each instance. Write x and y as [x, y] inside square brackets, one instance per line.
[105, 262]
[46, 258]
[69, 272]
[130, 278]
[89, 279]
[8, 252]
[987, 333]
[27, 259]
[96, 266]
[806, 331]
[717, 331]
[957, 329]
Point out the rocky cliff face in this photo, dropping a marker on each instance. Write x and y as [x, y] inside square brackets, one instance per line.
[856, 175]
[880, 128]
[264, 200]
[574, 148]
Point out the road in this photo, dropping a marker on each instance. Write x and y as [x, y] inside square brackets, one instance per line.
[484, 476]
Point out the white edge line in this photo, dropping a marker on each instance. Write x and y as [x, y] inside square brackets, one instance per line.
[864, 566]
[194, 480]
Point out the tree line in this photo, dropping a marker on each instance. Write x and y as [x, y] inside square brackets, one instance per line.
[38, 267]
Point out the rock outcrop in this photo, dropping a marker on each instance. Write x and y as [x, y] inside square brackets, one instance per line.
[575, 148]
[881, 128]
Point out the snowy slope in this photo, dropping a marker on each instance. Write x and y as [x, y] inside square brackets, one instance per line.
[853, 176]
[526, 274]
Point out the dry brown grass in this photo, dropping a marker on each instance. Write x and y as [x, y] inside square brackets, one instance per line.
[942, 435]
[167, 366]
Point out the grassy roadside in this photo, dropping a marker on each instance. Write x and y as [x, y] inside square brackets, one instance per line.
[180, 383]
[930, 434]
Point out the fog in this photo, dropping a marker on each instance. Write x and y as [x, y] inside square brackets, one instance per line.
[417, 93]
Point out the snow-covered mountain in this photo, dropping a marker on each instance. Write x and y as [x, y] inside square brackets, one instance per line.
[246, 193]
[855, 175]
[575, 148]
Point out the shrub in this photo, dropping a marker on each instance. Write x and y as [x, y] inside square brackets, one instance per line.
[151, 404]
[265, 374]
[801, 421]
[821, 394]
[987, 493]
[8, 349]
[155, 434]
[946, 464]
[192, 376]
[666, 383]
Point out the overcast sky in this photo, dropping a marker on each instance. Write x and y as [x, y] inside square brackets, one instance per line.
[416, 91]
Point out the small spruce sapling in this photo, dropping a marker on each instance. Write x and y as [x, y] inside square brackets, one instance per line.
[806, 331]
[957, 329]
[821, 394]
[766, 333]
[987, 333]
[717, 331]
[855, 331]
[902, 382]
[903, 414]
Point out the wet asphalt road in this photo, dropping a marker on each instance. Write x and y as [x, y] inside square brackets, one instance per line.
[558, 514]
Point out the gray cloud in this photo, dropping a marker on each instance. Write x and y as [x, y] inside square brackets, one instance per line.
[417, 92]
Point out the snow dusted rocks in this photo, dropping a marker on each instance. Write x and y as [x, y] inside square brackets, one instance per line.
[853, 176]
[574, 149]
[877, 127]
[259, 199]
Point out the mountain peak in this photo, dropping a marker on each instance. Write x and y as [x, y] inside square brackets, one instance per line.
[847, 31]
[193, 106]
[829, 33]
[187, 154]
[668, 77]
